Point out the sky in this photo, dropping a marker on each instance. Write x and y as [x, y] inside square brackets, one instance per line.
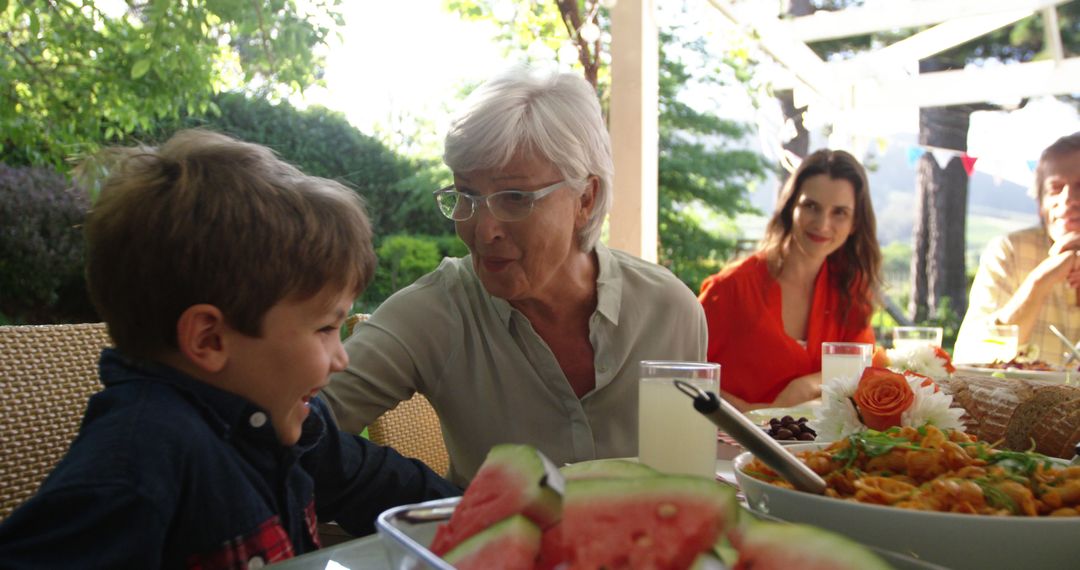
[403, 56]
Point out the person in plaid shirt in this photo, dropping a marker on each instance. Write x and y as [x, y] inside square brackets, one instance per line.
[1030, 278]
[224, 275]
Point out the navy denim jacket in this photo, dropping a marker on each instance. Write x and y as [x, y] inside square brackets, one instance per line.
[170, 472]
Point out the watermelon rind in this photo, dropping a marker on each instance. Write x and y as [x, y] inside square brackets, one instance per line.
[513, 542]
[514, 479]
[765, 546]
[607, 469]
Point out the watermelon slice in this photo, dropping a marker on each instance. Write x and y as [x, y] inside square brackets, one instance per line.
[511, 544]
[552, 553]
[514, 479]
[607, 469]
[775, 546]
[653, 522]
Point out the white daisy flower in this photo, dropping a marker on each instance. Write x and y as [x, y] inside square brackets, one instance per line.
[921, 359]
[838, 415]
[931, 407]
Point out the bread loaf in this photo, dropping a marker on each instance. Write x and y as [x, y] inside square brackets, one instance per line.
[1018, 414]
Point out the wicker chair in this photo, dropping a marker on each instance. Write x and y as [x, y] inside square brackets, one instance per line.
[412, 427]
[47, 373]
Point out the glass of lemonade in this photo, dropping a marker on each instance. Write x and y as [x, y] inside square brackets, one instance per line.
[1001, 343]
[844, 359]
[910, 337]
[673, 437]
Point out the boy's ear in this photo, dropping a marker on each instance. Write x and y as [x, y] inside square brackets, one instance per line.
[200, 336]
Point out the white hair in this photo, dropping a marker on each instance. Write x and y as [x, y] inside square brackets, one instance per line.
[554, 115]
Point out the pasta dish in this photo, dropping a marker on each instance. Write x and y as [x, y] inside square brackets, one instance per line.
[928, 469]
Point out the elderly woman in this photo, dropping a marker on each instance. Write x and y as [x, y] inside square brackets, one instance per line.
[537, 335]
[811, 281]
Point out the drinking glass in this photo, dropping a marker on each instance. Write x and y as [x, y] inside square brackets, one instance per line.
[1001, 343]
[910, 337]
[844, 359]
[673, 437]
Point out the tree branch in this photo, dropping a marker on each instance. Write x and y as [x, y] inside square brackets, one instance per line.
[588, 56]
[262, 32]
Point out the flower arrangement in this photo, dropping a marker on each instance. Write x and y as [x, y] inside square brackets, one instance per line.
[880, 399]
[925, 360]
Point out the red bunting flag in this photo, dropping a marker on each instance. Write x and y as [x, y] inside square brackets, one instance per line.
[969, 163]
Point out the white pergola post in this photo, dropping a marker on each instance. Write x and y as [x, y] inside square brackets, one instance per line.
[633, 124]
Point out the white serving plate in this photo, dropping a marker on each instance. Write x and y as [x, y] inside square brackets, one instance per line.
[1054, 376]
[952, 540]
[807, 410]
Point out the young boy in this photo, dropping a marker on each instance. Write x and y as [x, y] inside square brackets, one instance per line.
[224, 275]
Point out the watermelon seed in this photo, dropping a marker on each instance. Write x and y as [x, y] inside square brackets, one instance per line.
[667, 510]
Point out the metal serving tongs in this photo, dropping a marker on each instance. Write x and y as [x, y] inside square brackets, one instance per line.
[754, 439]
[1074, 354]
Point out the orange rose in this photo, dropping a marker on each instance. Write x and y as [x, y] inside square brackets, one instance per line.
[881, 358]
[940, 353]
[881, 397]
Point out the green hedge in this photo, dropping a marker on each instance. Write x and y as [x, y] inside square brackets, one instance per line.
[41, 248]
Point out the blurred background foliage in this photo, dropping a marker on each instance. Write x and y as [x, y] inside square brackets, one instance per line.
[74, 78]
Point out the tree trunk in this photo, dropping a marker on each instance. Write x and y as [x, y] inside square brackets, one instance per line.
[938, 267]
[800, 145]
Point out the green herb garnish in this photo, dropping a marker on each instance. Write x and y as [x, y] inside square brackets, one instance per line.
[1018, 461]
[873, 443]
[996, 497]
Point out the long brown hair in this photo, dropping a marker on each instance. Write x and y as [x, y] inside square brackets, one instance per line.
[855, 267]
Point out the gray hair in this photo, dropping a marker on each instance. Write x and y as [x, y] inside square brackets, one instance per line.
[554, 115]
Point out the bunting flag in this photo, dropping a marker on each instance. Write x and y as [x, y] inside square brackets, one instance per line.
[913, 154]
[1031, 165]
[942, 157]
[969, 163]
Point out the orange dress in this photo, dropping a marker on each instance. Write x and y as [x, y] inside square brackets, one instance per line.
[746, 329]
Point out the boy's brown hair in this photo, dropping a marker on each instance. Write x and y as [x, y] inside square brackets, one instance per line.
[205, 218]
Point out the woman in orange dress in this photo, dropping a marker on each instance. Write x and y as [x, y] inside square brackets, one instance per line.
[812, 280]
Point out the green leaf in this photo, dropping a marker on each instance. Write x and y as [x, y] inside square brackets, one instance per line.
[140, 68]
[3, 5]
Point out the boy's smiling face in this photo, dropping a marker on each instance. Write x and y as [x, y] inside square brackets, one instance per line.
[287, 365]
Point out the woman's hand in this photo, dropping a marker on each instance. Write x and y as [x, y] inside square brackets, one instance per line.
[739, 403]
[799, 390]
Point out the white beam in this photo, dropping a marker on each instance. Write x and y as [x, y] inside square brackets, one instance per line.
[796, 56]
[902, 58]
[633, 124]
[948, 35]
[898, 14]
[1052, 32]
[973, 85]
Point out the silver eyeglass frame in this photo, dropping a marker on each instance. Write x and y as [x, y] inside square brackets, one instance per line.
[536, 196]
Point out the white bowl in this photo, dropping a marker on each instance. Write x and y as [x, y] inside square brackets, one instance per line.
[953, 540]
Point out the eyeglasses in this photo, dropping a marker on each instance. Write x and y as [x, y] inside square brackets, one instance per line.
[505, 206]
